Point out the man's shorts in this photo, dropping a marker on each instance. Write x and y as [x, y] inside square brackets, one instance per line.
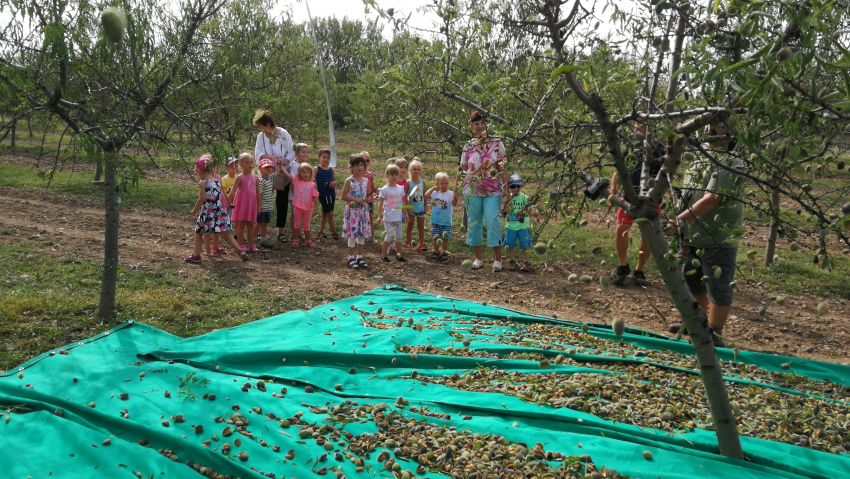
[523, 237]
[264, 217]
[719, 291]
[327, 203]
[438, 230]
[624, 219]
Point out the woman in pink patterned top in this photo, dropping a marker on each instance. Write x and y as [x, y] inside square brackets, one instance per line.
[483, 185]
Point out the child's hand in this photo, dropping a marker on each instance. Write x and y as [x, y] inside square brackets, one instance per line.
[195, 212]
[332, 184]
[379, 221]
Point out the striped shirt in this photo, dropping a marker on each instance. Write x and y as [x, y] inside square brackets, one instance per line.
[267, 192]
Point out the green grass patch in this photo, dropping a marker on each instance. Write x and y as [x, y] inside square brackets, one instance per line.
[49, 302]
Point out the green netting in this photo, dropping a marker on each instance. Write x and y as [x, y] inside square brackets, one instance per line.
[319, 348]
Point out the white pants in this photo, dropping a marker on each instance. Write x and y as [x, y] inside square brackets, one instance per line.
[393, 231]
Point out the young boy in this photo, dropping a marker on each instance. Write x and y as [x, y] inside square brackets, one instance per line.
[517, 230]
[440, 203]
[266, 178]
[390, 198]
[402, 165]
[326, 185]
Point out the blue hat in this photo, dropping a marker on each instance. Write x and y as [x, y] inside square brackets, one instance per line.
[515, 180]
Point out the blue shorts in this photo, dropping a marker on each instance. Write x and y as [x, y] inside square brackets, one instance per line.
[523, 237]
[438, 230]
[264, 217]
[417, 214]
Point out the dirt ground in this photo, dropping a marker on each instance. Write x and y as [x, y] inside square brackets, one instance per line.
[73, 226]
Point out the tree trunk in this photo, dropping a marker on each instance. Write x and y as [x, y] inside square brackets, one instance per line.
[29, 126]
[14, 130]
[697, 323]
[108, 285]
[98, 171]
[774, 225]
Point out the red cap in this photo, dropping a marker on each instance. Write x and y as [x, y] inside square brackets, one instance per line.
[203, 163]
[266, 162]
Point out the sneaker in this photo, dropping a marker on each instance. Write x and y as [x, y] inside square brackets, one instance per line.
[385, 260]
[717, 338]
[400, 259]
[362, 263]
[253, 249]
[639, 278]
[619, 275]
[195, 259]
[675, 327]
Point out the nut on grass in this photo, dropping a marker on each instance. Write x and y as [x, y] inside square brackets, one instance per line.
[586, 279]
[823, 307]
[780, 300]
[466, 264]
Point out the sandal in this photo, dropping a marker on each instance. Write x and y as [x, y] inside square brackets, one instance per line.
[334, 236]
[295, 243]
[253, 249]
[195, 258]
[526, 266]
[408, 245]
[321, 236]
[362, 263]
[444, 258]
[211, 253]
[477, 264]
[281, 238]
[512, 264]
[422, 247]
[497, 266]
[309, 244]
[221, 251]
[352, 263]
[435, 256]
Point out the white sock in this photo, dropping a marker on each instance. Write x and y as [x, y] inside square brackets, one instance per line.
[359, 256]
[350, 257]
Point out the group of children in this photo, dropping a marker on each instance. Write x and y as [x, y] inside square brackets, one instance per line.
[242, 201]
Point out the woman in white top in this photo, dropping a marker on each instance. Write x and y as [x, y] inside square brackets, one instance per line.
[274, 143]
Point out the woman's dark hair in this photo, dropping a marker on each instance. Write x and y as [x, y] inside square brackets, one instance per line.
[475, 116]
[264, 118]
[357, 160]
[326, 151]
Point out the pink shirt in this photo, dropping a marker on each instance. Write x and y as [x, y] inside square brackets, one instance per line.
[369, 176]
[303, 193]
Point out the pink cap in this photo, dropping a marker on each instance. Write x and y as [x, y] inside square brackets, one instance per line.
[203, 163]
[266, 162]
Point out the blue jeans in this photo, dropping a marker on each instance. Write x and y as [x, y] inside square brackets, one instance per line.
[481, 210]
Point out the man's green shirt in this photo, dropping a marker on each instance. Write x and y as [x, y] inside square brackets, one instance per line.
[720, 227]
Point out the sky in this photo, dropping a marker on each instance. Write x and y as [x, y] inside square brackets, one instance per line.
[355, 9]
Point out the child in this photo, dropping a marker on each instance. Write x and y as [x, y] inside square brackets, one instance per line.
[216, 250]
[440, 202]
[517, 230]
[326, 184]
[355, 223]
[372, 190]
[416, 198]
[227, 185]
[302, 154]
[305, 199]
[212, 219]
[246, 200]
[261, 230]
[402, 165]
[390, 198]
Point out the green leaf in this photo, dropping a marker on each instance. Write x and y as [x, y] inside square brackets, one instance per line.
[742, 64]
[566, 69]
[716, 4]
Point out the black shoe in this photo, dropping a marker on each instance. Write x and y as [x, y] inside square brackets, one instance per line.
[717, 338]
[639, 278]
[362, 263]
[385, 260]
[400, 259]
[675, 327]
[619, 275]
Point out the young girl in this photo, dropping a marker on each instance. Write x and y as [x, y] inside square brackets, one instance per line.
[212, 219]
[216, 250]
[356, 225]
[416, 198]
[246, 200]
[440, 202]
[326, 184]
[305, 198]
[391, 199]
[372, 189]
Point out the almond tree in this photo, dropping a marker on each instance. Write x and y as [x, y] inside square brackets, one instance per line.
[773, 72]
[109, 94]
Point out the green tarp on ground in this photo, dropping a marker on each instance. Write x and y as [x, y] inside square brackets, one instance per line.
[58, 425]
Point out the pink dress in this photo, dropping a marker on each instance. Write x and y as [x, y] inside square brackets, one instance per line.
[245, 201]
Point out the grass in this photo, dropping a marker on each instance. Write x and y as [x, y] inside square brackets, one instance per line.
[49, 302]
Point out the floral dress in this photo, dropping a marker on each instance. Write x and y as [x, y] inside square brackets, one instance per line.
[355, 223]
[212, 218]
[481, 154]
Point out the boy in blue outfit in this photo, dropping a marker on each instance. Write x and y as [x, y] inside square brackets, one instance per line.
[519, 224]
